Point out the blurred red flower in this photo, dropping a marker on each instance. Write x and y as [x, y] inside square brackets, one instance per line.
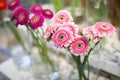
[3, 5]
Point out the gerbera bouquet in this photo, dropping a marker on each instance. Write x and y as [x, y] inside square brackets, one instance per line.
[65, 34]
[33, 21]
[5, 20]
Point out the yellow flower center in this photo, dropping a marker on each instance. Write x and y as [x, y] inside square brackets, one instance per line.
[35, 19]
[22, 17]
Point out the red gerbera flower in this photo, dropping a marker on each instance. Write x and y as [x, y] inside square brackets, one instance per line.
[3, 5]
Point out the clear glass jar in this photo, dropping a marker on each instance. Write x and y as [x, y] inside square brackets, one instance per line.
[42, 70]
[21, 57]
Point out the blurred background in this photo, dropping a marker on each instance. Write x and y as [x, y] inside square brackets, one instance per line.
[17, 64]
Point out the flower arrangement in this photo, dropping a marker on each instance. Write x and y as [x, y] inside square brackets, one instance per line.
[3, 21]
[33, 21]
[65, 34]
[62, 31]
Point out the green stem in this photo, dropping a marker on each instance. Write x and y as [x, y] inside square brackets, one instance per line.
[45, 53]
[1, 16]
[88, 69]
[33, 36]
[86, 60]
[86, 57]
[78, 63]
[16, 34]
[42, 48]
[83, 74]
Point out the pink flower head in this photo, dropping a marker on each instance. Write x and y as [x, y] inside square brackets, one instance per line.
[36, 9]
[13, 4]
[62, 37]
[89, 33]
[71, 26]
[16, 12]
[62, 16]
[50, 31]
[21, 15]
[79, 46]
[36, 21]
[103, 29]
[47, 13]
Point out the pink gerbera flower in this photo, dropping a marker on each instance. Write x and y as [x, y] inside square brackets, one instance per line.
[36, 21]
[103, 29]
[13, 4]
[49, 31]
[47, 13]
[62, 16]
[89, 33]
[79, 46]
[16, 12]
[62, 37]
[72, 27]
[21, 15]
[36, 9]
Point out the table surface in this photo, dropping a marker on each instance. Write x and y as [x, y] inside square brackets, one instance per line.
[12, 71]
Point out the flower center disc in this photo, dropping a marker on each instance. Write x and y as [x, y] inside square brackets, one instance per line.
[35, 19]
[104, 27]
[80, 45]
[61, 37]
[61, 18]
[21, 17]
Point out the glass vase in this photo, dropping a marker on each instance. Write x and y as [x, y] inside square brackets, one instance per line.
[43, 70]
[77, 71]
[84, 67]
[3, 36]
